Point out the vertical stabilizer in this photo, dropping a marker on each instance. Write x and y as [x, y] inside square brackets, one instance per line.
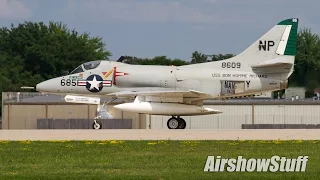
[276, 47]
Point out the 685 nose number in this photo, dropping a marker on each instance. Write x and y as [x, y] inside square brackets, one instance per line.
[68, 82]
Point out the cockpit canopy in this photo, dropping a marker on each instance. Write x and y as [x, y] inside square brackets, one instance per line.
[91, 65]
[86, 66]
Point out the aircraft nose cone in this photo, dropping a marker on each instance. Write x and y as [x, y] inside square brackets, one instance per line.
[45, 86]
[41, 87]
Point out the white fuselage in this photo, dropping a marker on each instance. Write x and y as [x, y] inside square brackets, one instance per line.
[216, 82]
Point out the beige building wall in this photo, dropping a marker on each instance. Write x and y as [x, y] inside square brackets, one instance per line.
[287, 114]
[71, 111]
[24, 116]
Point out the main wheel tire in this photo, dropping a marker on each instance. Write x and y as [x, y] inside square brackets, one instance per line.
[182, 124]
[173, 123]
[96, 125]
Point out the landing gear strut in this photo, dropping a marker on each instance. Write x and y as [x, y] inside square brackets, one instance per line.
[96, 124]
[176, 123]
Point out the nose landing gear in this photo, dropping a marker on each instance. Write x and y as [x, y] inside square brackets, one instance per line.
[176, 123]
[96, 125]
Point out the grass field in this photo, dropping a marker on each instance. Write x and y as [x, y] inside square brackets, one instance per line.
[145, 159]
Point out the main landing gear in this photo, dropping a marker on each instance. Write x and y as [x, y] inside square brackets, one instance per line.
[176, 123]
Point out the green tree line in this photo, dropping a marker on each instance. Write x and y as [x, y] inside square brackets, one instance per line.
[31, 52]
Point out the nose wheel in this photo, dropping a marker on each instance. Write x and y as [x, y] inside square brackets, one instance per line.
[96, 125]
[176, 123]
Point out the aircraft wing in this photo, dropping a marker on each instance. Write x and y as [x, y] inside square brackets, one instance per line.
[187, 95]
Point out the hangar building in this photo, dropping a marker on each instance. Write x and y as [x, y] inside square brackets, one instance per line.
[25, 110]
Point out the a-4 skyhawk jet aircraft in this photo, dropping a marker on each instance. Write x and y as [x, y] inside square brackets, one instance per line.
[180, 91]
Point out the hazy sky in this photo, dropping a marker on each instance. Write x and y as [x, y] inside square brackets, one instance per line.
[175, 28]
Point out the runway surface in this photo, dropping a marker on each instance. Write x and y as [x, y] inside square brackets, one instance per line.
[146, 134]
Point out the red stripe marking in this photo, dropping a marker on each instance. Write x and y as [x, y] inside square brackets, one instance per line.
[82, 83]
[114, 75]
[121, 73]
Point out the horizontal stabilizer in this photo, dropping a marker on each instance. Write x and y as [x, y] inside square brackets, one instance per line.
[274, 62]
